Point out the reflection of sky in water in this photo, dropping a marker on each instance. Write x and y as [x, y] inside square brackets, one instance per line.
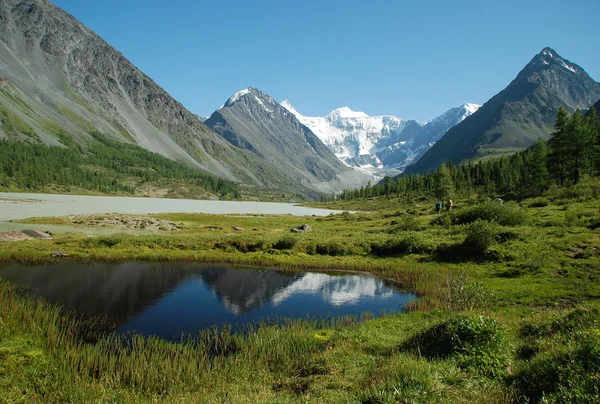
[336, 290]
[169, 300]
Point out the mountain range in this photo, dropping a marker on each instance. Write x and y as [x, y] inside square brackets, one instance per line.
[62, 85]
[380, 142]
[60, 82]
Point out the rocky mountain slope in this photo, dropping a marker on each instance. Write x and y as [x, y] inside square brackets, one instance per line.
[59, 82]
[514, 118]
[255, 122]
[61, 78]
[377, 142]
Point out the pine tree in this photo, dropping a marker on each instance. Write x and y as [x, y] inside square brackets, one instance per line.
[558, 143]
[535, 179]
[442, 183]
[580, 146]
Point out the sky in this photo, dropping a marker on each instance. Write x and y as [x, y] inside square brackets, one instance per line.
[412, 59]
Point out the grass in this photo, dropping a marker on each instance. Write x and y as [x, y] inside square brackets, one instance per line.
[519, 311]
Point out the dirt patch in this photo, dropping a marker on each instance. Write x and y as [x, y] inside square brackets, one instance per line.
[124, 221]
[23, 235]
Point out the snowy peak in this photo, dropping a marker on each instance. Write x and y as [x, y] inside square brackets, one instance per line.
[470, 108]
[548, 57]
[235, 97]
[345, 112]
[286, 104]
[252, 96]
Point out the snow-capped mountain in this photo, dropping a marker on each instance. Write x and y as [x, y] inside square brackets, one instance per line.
[379, 142]
[292, 156]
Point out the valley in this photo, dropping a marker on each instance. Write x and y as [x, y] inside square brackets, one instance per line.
[259, 254]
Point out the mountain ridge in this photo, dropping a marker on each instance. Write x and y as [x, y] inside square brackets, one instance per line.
[518, 115]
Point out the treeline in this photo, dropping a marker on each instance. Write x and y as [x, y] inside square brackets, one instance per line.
[572, 153]
[103, 165]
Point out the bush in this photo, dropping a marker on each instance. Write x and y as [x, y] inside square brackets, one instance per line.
[477, 343]
[285, 243]
[537, 202]
[508, 214]
[406, 223]
[333, 249]
[409, 244]
[464, 295]
[481, 235]
[103, 241]
[243, 246]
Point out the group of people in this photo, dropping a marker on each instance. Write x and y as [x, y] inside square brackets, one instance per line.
[440, 205]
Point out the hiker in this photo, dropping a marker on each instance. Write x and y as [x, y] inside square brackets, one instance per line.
[449, 204]
[438, 206]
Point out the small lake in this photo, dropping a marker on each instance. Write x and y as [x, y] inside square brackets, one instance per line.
[171, 300]
[16, 206]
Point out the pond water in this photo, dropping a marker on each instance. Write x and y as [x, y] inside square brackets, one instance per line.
[171, 300]
[16, 206]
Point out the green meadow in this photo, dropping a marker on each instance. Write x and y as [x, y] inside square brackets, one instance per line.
[507, 310]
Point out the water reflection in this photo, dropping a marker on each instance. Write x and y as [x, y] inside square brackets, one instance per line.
[171, 300]
[336, 290]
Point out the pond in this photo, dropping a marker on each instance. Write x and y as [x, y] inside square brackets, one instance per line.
[171, 300]
[15, 206]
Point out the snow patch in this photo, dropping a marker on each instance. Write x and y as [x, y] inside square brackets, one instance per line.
[546, 63]
[263, 105]
[547, 52]
[238, 95]
[566, 66]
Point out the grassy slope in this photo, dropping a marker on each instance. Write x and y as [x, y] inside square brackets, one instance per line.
[529, 281]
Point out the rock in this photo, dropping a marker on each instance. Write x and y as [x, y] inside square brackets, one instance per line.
[59, 254]
[236, 228]
[36, 234]
[301, 229]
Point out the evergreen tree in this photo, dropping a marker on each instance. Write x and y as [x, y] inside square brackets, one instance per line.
[535, 179]
[442, 183]
[558, 143]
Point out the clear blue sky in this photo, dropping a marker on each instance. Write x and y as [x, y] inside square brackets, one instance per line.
[413, 59]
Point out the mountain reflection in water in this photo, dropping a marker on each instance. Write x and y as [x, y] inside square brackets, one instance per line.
[169, 300]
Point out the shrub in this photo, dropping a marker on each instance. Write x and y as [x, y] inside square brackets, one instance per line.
[332, 249]
[409, 244]
[464, 295]
[508, 214]
[477, 343]
[104, 241]
[406, 223]
[537, 202]
[285, 243]
[243, 246]
[481, 235]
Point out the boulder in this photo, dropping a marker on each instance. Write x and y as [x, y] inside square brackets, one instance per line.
[301, 229]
